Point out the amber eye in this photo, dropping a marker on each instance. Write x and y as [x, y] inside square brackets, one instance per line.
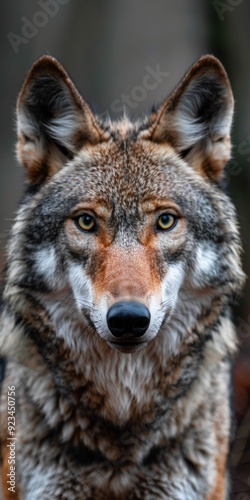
[166, 222]
[85, 222]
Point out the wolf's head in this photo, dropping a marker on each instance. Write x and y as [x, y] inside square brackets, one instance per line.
[124, 222]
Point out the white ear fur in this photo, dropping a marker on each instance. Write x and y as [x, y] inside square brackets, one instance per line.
[53, 121]
[61, 128]
[192, 129]
[196, 119]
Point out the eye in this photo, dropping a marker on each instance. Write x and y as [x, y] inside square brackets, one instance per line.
[85, 222]
[166, 222]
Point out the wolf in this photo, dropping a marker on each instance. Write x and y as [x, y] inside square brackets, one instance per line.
[123, 264]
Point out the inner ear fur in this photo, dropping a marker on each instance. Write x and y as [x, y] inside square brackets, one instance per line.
[196, 119]
[53, 121]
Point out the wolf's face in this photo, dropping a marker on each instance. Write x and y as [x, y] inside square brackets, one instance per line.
[126, 219]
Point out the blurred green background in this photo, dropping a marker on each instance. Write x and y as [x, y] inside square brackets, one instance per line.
[108, 47]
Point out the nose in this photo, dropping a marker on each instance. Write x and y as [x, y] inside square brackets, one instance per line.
[128, 319]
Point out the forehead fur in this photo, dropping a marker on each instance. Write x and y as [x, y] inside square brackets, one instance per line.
[130, 165]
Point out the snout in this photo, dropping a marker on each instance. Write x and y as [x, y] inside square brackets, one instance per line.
[128, 321]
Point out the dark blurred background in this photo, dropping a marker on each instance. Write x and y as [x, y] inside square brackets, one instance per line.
[108, 47]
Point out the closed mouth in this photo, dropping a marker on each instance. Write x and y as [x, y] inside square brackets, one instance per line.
[127, 345]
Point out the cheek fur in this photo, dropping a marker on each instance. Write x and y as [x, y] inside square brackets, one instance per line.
[81, 286]
[206, 265]
[205, 259]
[45, 266]
[171, 285]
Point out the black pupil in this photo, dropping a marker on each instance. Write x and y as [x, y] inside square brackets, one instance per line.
[165, 219]
[87, 220]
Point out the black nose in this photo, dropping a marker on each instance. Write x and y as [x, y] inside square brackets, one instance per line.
[128, 319]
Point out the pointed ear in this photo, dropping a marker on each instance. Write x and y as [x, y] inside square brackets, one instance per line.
[53, 121]
[196, 119]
